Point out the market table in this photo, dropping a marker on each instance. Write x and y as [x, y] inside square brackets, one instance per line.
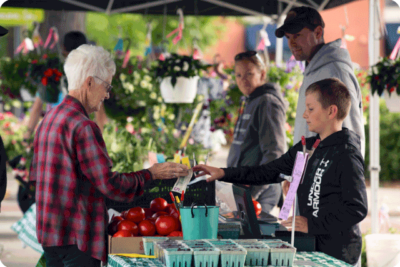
[302, 259]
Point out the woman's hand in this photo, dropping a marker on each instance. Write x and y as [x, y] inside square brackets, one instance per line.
[216, 173]
[300, 225]
[168, 170]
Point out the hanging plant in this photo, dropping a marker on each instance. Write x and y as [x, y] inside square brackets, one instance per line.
[385, 76]
[178, 66]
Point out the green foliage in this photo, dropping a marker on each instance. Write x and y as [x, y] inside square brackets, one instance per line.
[104, 30]
[385, 75]
[389, 124]
[178, 66]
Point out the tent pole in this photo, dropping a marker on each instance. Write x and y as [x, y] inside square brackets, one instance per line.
[373, 56]
[279, 41]
[236, 8]
[87, 6]
[109, 6]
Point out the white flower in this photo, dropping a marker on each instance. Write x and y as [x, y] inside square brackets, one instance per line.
[131, 88]
[159, 99]
[136, 82]
[144, 118]
[136, 75]
[16, 103]
[129, 119]
[185, 66]
[122, 77]
[183, 127]
[171, 117]
[147, 78]
[177, 68]
[156, 115]
[153, 95]
[177, 61]
[141, 103]
[200, 97]
[145, 70]
[143, 84]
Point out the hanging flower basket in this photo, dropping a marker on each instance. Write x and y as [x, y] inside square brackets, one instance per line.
[385, 80]
[184, 91]
[178, 76]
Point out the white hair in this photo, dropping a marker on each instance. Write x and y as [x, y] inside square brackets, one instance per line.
[88, 60]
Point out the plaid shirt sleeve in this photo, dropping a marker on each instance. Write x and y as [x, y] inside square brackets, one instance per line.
[96, 165]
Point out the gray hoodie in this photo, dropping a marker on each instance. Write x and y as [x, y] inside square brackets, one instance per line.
[331, 61]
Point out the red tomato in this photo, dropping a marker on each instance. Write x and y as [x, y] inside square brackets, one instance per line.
[128, 226]
[135, 215]
[123, 233]
[158, 214]
[178, 224]
[174, 214]
[147, 228]
[165, 224]
[158, 204]
[170, 208]
[124, 213]
[117, 218]
[148, 212]
[113, 227]
[257, 207]
[176, 233]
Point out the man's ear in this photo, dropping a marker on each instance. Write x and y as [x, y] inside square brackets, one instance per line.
[319, 32]
[333, 111]
[263, 75]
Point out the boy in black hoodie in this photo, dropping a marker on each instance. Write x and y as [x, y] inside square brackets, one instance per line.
[332, 197]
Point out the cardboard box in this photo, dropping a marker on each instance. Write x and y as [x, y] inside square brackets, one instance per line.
[128, 244]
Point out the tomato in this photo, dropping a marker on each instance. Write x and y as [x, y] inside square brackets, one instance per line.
[178, 224]
[113, 227]
[148, 212]
[129, 226]
[174, 214]
[257, 207]
[123, 233]
[135, 215]
[158, 214]
[170, 208]
[124, 213]
[117, 218]
[176, 233]
[165, 224]
[158, 204]
[147, 228]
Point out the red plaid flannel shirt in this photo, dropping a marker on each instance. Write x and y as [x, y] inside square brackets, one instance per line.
[73, 176]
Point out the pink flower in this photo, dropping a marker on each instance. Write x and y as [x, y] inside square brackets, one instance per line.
[1, 116]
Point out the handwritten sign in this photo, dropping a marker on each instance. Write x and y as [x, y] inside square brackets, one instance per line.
[297, 173]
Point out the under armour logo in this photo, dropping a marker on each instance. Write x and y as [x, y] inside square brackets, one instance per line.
[324, 162]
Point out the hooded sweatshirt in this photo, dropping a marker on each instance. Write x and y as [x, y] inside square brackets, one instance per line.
[331, 61]
[332, 196]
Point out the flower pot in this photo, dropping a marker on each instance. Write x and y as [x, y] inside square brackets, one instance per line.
[392, 101]
[48, 96]
[184, 91]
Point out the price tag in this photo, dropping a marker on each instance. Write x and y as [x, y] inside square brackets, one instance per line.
[298, 172]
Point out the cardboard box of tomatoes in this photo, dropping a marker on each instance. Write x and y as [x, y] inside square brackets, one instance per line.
[126, 231]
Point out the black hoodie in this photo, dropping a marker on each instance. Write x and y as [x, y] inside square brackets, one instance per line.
[3, 171]
[332, 196]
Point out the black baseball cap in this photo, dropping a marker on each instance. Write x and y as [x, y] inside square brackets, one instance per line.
[299, 18]
[3, 31]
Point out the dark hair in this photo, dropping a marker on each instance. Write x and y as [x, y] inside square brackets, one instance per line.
[74, 39]
[332, 92]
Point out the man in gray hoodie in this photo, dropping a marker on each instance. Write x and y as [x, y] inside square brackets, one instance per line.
[304, 29]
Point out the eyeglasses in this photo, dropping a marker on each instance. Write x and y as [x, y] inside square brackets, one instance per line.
[109, 87]
[249, 54]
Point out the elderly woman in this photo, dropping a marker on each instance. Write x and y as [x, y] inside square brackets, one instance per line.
[72, 169]
[259, 135]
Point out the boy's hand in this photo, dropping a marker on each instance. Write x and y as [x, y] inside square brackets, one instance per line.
[285, 187]
[216, 173]
[300, 225]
